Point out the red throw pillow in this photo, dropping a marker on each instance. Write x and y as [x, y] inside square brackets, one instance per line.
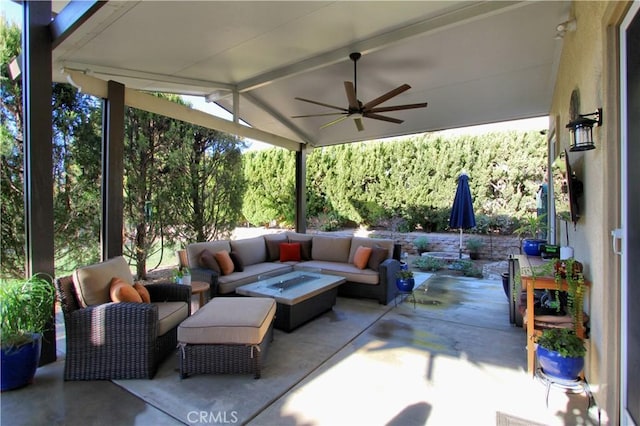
[289, 252]
[361, 257]
[224, 261]
[122, 291]
[143, 292]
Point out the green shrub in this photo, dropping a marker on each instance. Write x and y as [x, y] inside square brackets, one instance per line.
[427, 263]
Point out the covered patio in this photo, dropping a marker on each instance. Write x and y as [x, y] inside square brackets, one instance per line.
[472, 62]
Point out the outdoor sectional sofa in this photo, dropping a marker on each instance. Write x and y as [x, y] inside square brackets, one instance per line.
[277, 253]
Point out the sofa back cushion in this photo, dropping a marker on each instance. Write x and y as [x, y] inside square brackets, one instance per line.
[250, 250]
[194, 250]
[92, 283]
[330, 249]
[305, 241]
[370, 242]
[273, 245]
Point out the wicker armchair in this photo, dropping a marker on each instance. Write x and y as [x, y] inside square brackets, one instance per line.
[117, 340]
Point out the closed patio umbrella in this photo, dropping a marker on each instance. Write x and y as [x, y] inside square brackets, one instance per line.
[462, 215]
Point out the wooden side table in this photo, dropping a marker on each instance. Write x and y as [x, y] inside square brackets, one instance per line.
[201, 288]
[540, 283]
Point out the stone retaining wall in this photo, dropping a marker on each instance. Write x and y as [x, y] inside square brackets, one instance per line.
[496, 247]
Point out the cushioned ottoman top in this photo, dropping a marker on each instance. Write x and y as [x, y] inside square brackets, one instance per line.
[229, 320]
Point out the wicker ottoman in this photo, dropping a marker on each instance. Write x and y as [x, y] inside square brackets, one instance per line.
[227, 335]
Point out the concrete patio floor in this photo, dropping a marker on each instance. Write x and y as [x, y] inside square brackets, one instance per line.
[452, 360]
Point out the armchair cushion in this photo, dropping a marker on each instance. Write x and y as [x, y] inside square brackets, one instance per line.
[170, 315]
[92, 283]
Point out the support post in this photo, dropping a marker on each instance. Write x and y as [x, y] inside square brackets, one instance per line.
[112, 172]
[301, 189]
[38, 151]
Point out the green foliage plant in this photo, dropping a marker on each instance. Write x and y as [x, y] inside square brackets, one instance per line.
[564, 341]
[404, 274]
[421, 243]
[474, 244]
[26, 307]
[468, 269]
[570, 271]
[532, 227]
[427, 263]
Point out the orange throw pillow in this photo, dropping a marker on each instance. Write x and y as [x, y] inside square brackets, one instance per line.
[143, 292]
[224, 261]
[361, 257]
[122, 291]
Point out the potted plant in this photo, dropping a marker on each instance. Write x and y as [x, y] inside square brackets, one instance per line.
[560, 353]
[405, 280]
[26, 307]
[422, 244]
[182, 275]
[474, 245]
[530, 231]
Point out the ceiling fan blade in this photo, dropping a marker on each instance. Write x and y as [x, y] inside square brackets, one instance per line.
[318, 115]
[390, 94]
[322, 104]
[336, 121]
[398, 107]
[359, 125]
[382, 117]
[351, 95]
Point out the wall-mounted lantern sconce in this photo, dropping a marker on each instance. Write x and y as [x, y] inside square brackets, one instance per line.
[581, 130]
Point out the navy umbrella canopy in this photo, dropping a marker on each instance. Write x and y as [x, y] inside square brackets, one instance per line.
[462, 215]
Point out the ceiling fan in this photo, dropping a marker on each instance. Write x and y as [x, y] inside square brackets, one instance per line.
[356, 108]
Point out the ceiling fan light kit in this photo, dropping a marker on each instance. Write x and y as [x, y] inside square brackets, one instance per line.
[356, 109]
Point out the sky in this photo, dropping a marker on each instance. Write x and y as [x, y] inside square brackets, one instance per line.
[12, 12]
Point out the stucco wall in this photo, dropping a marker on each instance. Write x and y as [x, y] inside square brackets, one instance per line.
[588, 63]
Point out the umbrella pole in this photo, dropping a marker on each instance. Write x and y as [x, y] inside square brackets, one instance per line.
[460, 250]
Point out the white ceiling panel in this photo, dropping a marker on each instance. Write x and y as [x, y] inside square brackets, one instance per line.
[473, 62]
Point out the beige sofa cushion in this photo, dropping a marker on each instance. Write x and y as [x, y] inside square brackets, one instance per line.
[330, 249]
[250, 250]
[346, 270]
[170, 314]
[92, 282]
[229, 320]
[228, 283]
[369, 242]
[194, 250]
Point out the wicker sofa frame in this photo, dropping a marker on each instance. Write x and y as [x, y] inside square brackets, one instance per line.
[224, 358]
[129, 347]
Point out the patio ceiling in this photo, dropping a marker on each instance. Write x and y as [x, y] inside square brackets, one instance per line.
[473, 62]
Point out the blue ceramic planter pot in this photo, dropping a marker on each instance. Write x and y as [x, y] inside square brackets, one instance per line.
[531, 246]
[405, 284]
[558, 366]
[19, 364]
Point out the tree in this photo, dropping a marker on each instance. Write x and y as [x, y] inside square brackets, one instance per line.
[77, 172]
[148, 141]
[12, 255]
[208, 184]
